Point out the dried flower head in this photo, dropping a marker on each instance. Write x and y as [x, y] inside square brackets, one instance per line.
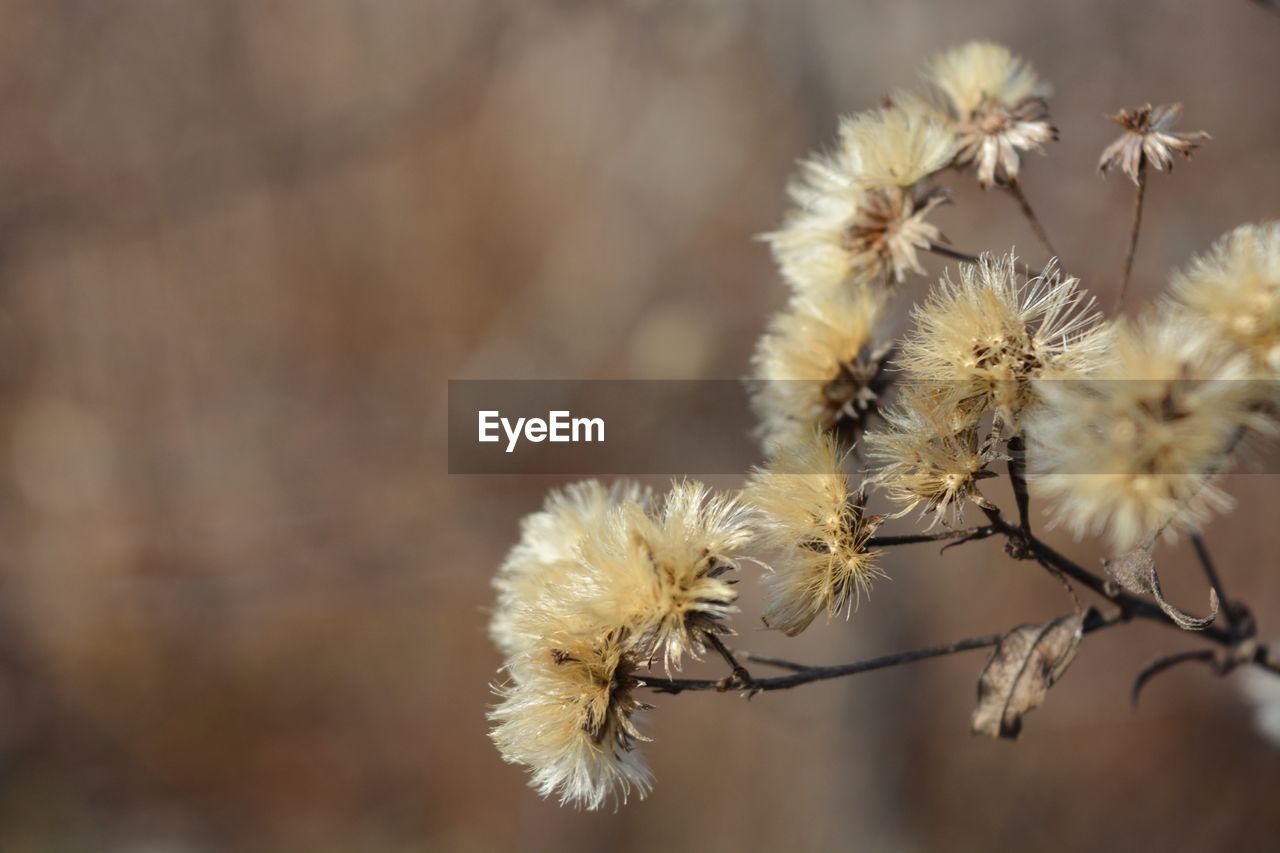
[1148, 138]
[927, 455]
[896, 147]
[818, 528]
[1136, 448]
[662, 573]
[546, 556]
[1235, 287]
[860, 211]
[997, 106]
[990, 332]
[567, 716]
[818, 366]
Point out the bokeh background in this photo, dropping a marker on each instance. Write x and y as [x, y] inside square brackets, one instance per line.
[244, 244]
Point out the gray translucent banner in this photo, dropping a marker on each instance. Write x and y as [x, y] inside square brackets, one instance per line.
[666, 427]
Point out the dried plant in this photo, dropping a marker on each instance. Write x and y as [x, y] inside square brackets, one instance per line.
[1123, 427]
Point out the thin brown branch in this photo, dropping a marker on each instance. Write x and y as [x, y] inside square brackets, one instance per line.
[778, 663]
[824, 673]
[738, 676]
[1134, 227]
[1018, 478]
[1165, 663]
[967, 533]
[1014, 189]
[948, 252]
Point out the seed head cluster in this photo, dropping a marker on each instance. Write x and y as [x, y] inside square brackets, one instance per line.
[1117, 428]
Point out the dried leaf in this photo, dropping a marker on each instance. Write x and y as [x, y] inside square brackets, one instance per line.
[1026, 663]
[1135, 571]
[1185, 621]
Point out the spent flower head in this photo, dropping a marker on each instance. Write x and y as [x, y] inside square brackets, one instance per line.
[996, 105]
[1136, 449]
[568, 717]
[1235, 287]
[819, 365]
[817, 528]
[928, 455]
[989, 332]
[1148, 139]
[545, 560]
[859, 211]
[665, 570]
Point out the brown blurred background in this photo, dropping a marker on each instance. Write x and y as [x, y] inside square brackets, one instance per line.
[244, 244]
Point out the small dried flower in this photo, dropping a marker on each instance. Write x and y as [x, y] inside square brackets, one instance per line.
[923, 457]
[818, 366]
[547, 552]
[993, 330]
[567, 716]
[1148, 139]
[1236, 289]
[860, 211]
[1136, 448]
[662, 574]
[896, 147]
[997, 107]
[819, 529]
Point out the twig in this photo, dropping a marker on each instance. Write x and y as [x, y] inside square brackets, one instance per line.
[1014, 187]
[738, 677]
[1134, 227]
[823, 673]
[968, 533]
[1018, 478]
[1167, 662]
[948, 252]
[778, 663]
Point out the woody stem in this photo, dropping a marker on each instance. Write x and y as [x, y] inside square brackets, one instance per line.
[1015, 189]
[1134, 227]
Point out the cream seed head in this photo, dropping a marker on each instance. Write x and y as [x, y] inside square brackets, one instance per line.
[819, 365]
[896, 147]
[546, 557]
[666, 571]
[997, 106]
[1235, 287]
[985, 334]
[817, 529]
[928, 455]
[859, 214]
[1136, 449]
[568, 717]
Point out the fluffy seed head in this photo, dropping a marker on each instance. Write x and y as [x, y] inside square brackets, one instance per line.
[663, 572]
[818, 366]
[928, 455]
[545, 560]
[997, 106]
[1135, 449]
[1235, 287]
[859, 211]
[988, 333]
[896, 147]
[818, 529]
[568, 718]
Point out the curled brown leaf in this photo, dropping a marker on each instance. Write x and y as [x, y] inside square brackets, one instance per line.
[1026, 663]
